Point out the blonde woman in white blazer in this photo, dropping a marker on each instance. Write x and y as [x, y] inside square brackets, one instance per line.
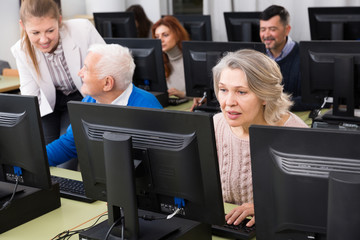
[49, 56]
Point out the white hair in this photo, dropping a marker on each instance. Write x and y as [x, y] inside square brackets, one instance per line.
[115, 61]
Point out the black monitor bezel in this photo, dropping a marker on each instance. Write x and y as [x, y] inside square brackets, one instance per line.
[160, 85]
[204, 46]
[296, 203]
[178, 123]
[115, 16]
[35, 168]
[252, 18]
[330, 87]
[191, 19]
[337, 23]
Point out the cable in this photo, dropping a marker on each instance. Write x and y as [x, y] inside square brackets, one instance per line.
[152, 218]
[113, 225]
[315, 112]
[7, 203]
[67, 234]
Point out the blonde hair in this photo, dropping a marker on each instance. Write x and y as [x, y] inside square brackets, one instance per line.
[115, 61]
[36, 8]
[264, 79]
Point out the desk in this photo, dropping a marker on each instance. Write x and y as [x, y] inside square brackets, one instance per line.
[187, 106]
[9, 83]
[181, 107]
[72, 215]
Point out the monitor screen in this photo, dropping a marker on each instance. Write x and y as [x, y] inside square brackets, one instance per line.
[242, 26]
[173, 153]
[199, 59]
[147, 53]
[290, 172]
[22, 146]
[198, 26]
[332, 69]
[334, 23]
[115, 24]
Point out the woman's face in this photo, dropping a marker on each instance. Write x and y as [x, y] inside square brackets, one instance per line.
[43, 33]
[167, 37]
[240, 106]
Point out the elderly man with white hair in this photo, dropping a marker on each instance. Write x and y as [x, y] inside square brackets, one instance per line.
[107, 78]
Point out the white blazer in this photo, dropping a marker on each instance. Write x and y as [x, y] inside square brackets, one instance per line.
[76, 35]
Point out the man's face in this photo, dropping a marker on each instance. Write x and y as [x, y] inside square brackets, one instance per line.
[92, 85]
[273, 34]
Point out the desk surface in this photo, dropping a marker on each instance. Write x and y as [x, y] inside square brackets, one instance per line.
[9, 83]
[72, 215]
[187, 106]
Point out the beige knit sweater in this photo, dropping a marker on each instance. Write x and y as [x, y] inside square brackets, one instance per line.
[177, 75]
[234, 160]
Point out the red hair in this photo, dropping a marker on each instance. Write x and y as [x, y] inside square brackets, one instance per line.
[180, 35]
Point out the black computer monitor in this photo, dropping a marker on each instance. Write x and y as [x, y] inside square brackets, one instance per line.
[115, 24]
[147, 53]
[334, 23]
[242, 26]
[290, 172]
[198, 26]
[332, 69]
[199, 59]
[174, 155]
[23, 157]
[22, 141]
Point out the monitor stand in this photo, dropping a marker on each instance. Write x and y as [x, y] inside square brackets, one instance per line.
[175, 228]
[28, 203]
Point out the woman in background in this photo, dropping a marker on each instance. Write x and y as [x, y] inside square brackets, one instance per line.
[48, 56]
[171, 33]
[248, 87]
[143, 23]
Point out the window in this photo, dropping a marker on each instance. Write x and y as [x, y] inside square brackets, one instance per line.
[187, 6]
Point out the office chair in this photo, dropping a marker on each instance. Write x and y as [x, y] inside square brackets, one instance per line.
[10, 72]
[3, 64]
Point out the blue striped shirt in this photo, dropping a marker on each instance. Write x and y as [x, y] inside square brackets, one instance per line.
[59, 70]
[286, 50]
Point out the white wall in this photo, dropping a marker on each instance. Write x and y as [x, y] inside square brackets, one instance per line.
[152, 8]
[299, 19]
[71, 8]
[9, 29]
[104, 6]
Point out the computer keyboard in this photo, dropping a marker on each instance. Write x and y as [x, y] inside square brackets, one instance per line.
[240, 231]
[177, 101]
[72, 189]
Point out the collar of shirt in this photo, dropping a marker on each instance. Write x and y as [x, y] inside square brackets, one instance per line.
[286, 50]
[123, 99]
[58, 51]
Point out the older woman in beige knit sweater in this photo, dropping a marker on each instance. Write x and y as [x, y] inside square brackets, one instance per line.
[248, 87]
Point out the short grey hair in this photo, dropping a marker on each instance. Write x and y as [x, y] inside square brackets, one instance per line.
[264, 79]
[115, 61]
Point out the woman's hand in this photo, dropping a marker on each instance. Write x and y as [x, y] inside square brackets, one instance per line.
[197, 101]
[238, 214]
[175, 92]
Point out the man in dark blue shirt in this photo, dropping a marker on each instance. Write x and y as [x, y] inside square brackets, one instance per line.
[274, 33]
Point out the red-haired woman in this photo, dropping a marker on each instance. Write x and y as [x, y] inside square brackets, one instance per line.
[171, 33]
